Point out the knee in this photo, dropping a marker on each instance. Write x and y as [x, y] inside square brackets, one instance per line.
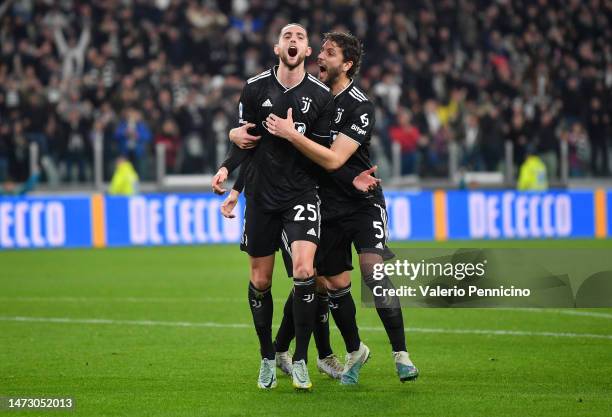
[261, 279]
[302, 269]
[338, 282]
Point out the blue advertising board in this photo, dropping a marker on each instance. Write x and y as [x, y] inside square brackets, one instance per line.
[186, 219]
[520, 215]
[45, 222]
[170, 219]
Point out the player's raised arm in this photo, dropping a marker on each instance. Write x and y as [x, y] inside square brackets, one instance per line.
[237, 154]
[234, 158]
[228, 205]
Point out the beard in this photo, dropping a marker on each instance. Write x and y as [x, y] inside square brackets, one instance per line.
[284, 56]
[332, 75]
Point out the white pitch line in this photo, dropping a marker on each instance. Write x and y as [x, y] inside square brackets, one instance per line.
[139, 300]
[568, 312]
[586, 313]
[126, 322]
[146, 300]
[484, 332]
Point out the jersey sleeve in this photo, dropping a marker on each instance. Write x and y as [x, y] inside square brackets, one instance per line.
[345, 175]
[235, 156]
[246, 113]
[321, 130]
[360, 123]
[239, 183]
[246, 110]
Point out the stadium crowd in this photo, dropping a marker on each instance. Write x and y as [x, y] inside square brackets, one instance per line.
[134, 73]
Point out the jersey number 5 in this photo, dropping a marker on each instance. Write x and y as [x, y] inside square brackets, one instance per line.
[378, 226]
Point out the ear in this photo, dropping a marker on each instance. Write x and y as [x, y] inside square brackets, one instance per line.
[308, 51]
[276, 50]
[347, 66]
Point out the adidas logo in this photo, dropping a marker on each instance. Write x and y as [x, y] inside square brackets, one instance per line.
[312, 232]
[267, 103]
[379, 245]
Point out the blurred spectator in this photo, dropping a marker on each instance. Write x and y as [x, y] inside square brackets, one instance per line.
[72, 51]
[407, 135]
[11, 188]
[19, 161]
[579, 150]
[169, 137]
[492, 139]
[5, 150]
[471, 143]
[125, 179]
[547, 143]
[389, 91]
[77, 148]
[133, 136]
[532, 174]
[597, 124]
[519, 134]
[35, 122]
[103, 131]
[433, 140]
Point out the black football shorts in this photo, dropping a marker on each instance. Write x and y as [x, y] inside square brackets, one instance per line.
[366, 228]
[265, 231]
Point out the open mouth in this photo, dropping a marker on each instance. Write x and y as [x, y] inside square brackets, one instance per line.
[292, 51]
[322, 70]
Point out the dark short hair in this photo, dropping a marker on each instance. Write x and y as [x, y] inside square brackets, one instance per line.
[352, 50]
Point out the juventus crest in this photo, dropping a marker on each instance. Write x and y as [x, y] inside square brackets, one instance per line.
[339, 114]
[306, 104]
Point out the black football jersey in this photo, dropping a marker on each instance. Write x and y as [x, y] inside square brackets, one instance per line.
[354, 117]
[277, 173]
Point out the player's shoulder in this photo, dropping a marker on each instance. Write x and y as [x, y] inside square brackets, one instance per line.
[317, 85]
[358, 97]
[257, 79]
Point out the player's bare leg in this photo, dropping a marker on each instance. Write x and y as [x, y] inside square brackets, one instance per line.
[262, 307]
[390, 312]
[304, 308]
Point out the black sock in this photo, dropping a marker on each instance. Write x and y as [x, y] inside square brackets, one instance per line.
[286, 331]
[321, 327]
[304, 312]
[262, 309]
[342, 307]
[390, 312]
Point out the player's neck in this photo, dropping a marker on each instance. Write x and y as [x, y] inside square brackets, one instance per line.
[289, 78]
[340, 84]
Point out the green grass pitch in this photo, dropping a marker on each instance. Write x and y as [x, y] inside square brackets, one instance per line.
[167, 332]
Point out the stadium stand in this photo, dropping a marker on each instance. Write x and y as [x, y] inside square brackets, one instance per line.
[135, 73]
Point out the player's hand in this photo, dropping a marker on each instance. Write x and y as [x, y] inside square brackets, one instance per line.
[229, 203]
[241, 137]
[283, 128]
[218, 180]
[365, 182]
